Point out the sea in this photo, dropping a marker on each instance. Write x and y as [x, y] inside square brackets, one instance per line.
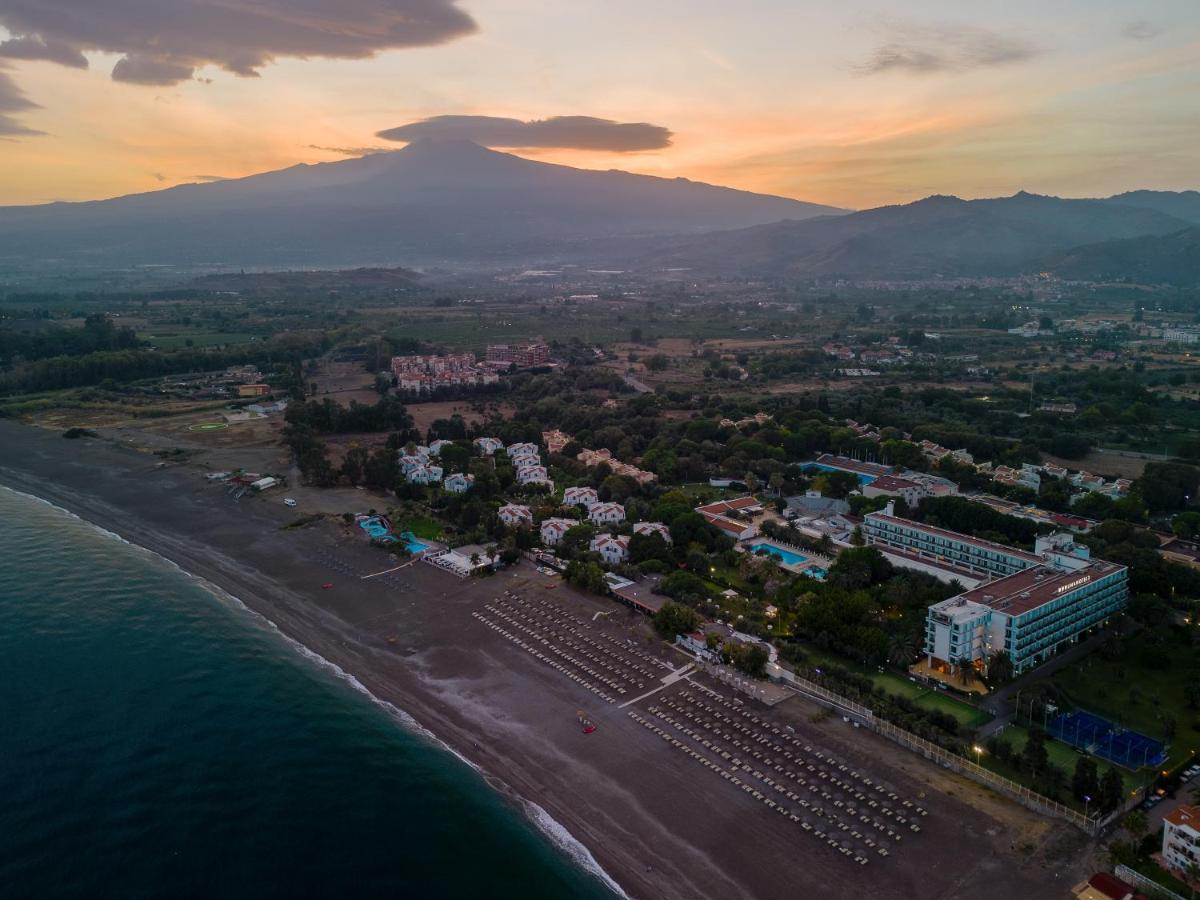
[158, 739]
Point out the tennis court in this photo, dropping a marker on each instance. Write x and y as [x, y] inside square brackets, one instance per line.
[1098, 736]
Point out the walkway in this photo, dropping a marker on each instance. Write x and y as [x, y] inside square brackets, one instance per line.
[668, 680]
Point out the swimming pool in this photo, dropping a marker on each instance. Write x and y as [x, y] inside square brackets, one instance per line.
[787, 557]
[412, 544]
[863, 480]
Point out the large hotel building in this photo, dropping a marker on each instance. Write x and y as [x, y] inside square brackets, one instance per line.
[1028, 605]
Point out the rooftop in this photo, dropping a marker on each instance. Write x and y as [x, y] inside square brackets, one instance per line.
[738, 504]
[852, 465]
[1018, 594]
[1185, 815]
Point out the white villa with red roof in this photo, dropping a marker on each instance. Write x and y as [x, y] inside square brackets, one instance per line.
[515, 514]
[613, 549]
[606, 513]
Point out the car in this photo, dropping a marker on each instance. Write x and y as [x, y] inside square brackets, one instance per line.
[289, 502]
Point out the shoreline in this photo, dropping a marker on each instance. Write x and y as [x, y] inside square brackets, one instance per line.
[558, 835]
[622, 804]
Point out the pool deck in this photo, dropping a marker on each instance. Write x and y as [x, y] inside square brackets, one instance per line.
[809, 559]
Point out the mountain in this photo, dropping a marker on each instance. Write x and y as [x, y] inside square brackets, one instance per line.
[937, 236]
[1153, 259]
[1180, 204]
[431, 202]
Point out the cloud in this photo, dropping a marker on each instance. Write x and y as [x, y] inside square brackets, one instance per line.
[926, 49]
[350, 151]
[12, 100]
[1141, 30]
[164, 41]
[567, 132]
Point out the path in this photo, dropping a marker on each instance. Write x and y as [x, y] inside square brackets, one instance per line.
[667, 680]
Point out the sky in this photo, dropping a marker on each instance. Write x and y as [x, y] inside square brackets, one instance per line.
[855, 104]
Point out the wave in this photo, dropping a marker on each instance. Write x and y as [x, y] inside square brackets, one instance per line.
[555, 831]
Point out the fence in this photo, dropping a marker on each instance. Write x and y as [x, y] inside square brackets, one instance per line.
[1023, 795]
[1142, 883]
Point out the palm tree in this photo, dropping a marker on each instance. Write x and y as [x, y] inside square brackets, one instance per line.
[492, 552]
[1135, 823]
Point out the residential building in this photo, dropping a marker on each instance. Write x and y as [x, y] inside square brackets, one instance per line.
[653, 528]
[580, 496]
[514, 514]
[613, 548]
[253, 390]
[534, 475]
[488, 445]
[606, 513]
[552, 530]
[522, 356]
[516, 451]
[410, 461]
[894, 486]
[422, 374]
[1103, 886]
[1181, 838]
[458, 483]
[435, 447]
[524, 462]
[424, 474]
[555, 441]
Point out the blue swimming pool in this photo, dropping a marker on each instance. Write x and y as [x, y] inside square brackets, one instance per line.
[787, 557]
[410, 541]
[862, 479]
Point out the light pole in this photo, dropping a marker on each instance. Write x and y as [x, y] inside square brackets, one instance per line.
[1087, 800]
[978, 755]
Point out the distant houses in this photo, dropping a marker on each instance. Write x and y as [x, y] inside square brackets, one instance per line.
[487, 446]
[648, 528]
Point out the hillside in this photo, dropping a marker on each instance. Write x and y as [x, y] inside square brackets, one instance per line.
[1157, 259]
[428, 203]
[937, 236]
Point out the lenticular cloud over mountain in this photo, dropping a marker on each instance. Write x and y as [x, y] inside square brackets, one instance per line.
[565, 132]
[165, 42]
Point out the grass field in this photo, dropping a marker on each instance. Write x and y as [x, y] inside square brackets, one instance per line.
[899, 685]
[1143, 688]
[421, 527]
[174, 340]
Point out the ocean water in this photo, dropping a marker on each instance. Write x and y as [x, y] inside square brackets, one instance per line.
[157, 740]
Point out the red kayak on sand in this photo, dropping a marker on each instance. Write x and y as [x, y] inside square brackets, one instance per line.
[587, 724]
[327, 585]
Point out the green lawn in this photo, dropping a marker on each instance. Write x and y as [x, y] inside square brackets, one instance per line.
[898, 685]
[1062, 755]
[1142, 688]
[421, 527]
[174, 340]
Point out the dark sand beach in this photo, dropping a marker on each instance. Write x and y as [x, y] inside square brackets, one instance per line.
[656, 822]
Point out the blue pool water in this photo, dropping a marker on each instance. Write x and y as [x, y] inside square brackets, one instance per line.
[862, 479]
[787, 557]
[410, 541]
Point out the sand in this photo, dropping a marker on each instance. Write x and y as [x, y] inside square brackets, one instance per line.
[658, 824]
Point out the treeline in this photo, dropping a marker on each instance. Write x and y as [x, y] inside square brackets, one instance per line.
[98, 334]
[327, 417]
[967, 516]
[59, 372]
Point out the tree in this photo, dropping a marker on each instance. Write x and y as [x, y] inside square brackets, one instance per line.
[1166, 486]
[656, 363]
[1112, 790]
[1086, 781]
[1136, 824]
[749, 658]
[675, 618]
[1000, 668]
[1034, 758]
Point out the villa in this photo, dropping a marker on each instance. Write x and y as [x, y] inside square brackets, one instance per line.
[580, 496]
[552, 530]
[487, 446]
[458, 483]
[516, 451]
[435, 447]
[534, 475]
[424, 474]
[607, 513]
[653, 528]
[515, 514]
[613, 549]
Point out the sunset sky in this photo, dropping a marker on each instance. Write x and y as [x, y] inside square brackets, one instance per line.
[855, 104]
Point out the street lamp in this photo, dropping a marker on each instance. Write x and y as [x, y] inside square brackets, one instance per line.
[1087, 800]
[978, 755]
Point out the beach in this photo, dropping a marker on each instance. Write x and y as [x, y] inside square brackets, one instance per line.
[658, 825]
